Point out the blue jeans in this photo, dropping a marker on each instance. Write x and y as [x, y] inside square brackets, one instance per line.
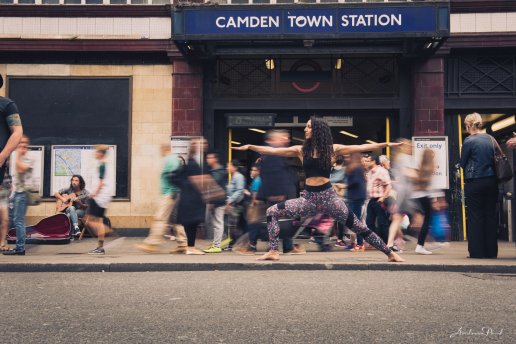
[74, 214]
[19, 210]
[356, 207]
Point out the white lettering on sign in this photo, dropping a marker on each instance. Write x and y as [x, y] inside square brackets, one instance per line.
[248, 22]
[355, 20]
[311, 21]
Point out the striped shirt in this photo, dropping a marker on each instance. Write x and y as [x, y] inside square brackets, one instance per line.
[377, 180]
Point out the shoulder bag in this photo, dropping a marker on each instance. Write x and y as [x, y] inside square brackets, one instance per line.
[502, 166]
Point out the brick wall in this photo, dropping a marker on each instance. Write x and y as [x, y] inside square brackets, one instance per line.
[428, 94]
[186, 99]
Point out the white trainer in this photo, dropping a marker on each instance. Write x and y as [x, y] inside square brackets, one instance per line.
[421, 250]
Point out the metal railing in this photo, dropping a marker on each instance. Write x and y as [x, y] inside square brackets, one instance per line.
[220, 2]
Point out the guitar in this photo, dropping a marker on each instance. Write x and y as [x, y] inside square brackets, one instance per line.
[60, 205]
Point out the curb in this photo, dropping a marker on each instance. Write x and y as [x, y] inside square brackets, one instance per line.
[172, 267]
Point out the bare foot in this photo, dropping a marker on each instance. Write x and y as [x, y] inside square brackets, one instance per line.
[271, 255]
[393, 257]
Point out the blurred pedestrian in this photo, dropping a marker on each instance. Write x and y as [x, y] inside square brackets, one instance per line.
[215, 209]
[166, 215]
[356, 194]
[378, 190]
[99, 200]
[191, 210]
[5, 193]
[481, 189]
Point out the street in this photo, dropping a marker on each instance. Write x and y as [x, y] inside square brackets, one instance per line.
[258, 307]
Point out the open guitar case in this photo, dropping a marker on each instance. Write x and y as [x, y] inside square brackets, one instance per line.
[53, 230]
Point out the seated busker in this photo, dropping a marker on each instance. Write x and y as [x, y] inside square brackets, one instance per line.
[319, 196]
[73, 202]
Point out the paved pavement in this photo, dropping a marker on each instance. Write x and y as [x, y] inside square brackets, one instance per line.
[258, 307]
[121, 255]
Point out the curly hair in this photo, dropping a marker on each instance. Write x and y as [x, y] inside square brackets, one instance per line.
[321, 143]
[82, 183]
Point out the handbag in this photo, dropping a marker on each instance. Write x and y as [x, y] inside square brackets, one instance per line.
[33, 197]
[502, 166]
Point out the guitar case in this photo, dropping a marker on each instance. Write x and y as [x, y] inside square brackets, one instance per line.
[53, 230]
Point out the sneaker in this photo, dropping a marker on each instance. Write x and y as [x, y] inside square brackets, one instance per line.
[228, 248]
[312, 240]
[358, 248]
[340, 243]
[13, 252]
[396, 249]
[296, 250]
[194, 251]
[421, 250]
[76, 232]
[147, 248]
[349, 247]
[246, 251]
[179, 250]
[212, 249]
[437, 246]
[97, 251]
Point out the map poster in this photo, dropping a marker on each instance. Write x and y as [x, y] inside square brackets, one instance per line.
[37, 156]
[76, 159]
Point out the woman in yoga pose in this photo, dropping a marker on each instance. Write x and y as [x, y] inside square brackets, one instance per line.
[319, 196]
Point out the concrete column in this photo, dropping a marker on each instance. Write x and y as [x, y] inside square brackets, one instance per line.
[428, 92]
[186, 99]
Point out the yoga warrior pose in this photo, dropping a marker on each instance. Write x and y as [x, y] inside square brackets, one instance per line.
[319, 196]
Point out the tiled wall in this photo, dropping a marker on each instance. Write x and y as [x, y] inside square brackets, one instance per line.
[98, 28]
[151, 126]
[482, 22]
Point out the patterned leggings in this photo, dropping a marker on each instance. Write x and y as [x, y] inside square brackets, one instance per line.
[320, 199]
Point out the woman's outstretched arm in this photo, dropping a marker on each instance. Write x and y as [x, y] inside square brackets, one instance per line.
[345, 149]
[293, 151]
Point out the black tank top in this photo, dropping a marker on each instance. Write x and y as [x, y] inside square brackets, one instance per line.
[313, 168]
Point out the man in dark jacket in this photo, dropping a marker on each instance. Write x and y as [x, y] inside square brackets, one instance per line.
[215, 211]
[278, 185]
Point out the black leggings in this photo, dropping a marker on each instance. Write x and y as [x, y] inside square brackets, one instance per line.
[191, 233]
[426, 206]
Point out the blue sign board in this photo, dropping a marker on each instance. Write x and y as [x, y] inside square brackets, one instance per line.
[334, 21]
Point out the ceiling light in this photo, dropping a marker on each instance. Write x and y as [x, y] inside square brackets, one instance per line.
[236, 142]
[369, 141]
[257, 130]
[338, 64]
[269, 64]
[349, 134]
[504, 123]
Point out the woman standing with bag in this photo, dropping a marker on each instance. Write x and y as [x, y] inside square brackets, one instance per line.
[481, 189]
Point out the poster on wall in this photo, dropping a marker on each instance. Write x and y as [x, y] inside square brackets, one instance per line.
[68, 160]
[181, 145]
[439, 145]
[37, 155]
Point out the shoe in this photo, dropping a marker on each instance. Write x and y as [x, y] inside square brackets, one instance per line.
[13, 253]
[296, 250]
[147, 248]
[271, 255]
[340, 243]
[349, 247]
[437, 246]
[396, 249]
[97, 251]
[179, 250]
[76, 232]
[421, 250]
[228, 248]
[212, 249]
[246, 251]
[312, 240]
[358, 248]
[194, 251]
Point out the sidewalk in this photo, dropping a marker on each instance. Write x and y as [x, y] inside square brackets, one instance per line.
[122, 256]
